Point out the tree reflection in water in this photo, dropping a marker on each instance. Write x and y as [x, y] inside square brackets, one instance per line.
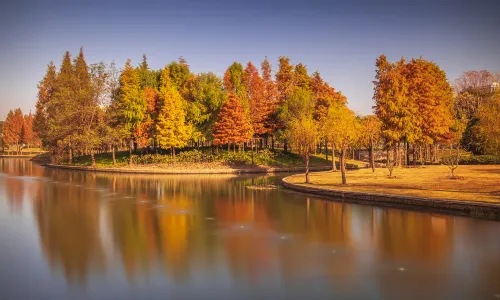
[213, 231]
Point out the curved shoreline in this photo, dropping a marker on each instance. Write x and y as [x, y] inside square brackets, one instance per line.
[467, 208]
[261, 170]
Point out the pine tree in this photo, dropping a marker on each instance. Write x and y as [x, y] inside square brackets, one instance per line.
[232, 125]
[172, 129]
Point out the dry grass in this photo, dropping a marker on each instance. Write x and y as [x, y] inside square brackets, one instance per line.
[476, 183]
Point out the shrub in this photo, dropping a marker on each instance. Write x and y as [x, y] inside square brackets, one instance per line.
[149, 159]
[480, 160]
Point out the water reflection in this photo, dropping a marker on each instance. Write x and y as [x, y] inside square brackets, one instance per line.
[198, 232]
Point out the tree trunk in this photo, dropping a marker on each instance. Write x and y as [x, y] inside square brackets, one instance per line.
[252, 151]
[307, 167]
[272, 143]
[372, 157]
[130, 152]
[342, 165]
[285, 147]
[407, 153]
[228, 147]
[326, 150]
[334, 165]
[113, 154]
[70, 153]
[92, 157]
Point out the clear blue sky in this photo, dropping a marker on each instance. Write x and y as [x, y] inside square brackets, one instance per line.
[340, 39]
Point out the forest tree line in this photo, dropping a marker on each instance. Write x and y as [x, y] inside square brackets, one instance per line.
[84, 108]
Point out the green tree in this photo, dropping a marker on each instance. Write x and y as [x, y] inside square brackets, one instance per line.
[131, 103]
[370, 136]
[301, 128]
[206, 97]
[45, 93]
[345, 130]
[61, 111]
[233, 83]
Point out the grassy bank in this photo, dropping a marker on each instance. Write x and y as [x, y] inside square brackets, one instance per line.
[205, 159]
[476, 182]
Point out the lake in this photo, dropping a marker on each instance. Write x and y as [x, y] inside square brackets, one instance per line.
[77, 235]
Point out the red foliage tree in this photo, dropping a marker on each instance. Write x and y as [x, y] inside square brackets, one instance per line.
[13, 127]
[232, 125]
[255, 94]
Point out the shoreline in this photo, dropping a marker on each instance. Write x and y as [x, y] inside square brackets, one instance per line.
[482, 210]
[164, 171]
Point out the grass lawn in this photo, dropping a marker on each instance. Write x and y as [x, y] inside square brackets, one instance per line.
[477, 182]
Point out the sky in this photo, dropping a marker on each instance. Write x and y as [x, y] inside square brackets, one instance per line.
[340, 39]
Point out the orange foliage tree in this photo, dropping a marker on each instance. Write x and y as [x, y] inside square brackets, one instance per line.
[232, 124]
[13, 127]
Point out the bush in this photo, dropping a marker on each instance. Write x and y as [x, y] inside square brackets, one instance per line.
[149, 159]
[480, 160]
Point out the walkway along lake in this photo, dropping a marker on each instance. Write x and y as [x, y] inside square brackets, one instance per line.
[76, 235]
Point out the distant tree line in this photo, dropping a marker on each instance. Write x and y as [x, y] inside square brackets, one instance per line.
[84, 109]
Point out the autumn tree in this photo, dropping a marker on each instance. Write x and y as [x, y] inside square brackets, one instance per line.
[28, 136]
[285, 85]
[147, 77]
[130, 103]
[430, 92]
[13, 129]
[301, 128]
[489, 124]
[325, 96]
[233, 83]
[89, 90]
[270, 99]
[255, 95]
[370, 136]
[232, 125]
[61, 110]
[206, 97]
[45, 93]
[171, 128]
[345, 130]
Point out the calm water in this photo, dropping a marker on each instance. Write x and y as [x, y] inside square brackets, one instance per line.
[72, 235]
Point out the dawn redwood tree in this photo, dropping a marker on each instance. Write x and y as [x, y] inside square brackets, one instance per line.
[206, 97]
[45, 93]
[131, 103]
[62, 110]
[172, 129]
[270, 99]
[232, 125]
[255, 95]
[13, 129]
[301, 128]
[285, 84]
[325, 96]
[393, 106]
[233, 83]
[28, 137]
